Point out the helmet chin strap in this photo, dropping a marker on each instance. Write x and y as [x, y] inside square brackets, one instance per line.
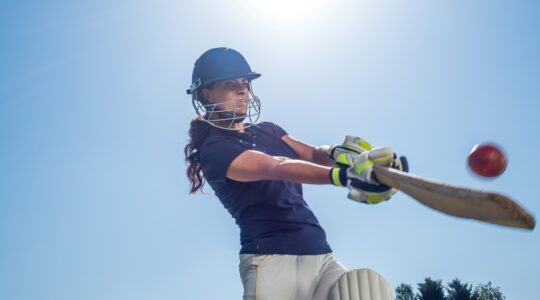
[225, 115]
[234, 118]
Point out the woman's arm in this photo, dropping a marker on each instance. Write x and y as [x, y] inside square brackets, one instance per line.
[254, 165]
[317, 155]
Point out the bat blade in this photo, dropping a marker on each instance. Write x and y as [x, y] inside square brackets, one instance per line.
[458, 201]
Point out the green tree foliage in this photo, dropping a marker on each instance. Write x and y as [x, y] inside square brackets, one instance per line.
[430, 290]
[459, 291]
[456, 290]
[404, 292]
[487, 292]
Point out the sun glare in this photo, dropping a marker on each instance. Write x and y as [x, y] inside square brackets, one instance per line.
[290, 11]
[290, 8]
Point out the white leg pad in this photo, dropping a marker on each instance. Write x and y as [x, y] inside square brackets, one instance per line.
[361, 284]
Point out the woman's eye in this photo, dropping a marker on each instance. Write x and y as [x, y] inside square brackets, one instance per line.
[230, 86]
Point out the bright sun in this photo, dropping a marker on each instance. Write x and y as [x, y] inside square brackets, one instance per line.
[291, 10]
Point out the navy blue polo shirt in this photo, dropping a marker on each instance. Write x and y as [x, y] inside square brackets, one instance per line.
[272, 214]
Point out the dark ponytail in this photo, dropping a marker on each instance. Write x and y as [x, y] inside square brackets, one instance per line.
[198, 132]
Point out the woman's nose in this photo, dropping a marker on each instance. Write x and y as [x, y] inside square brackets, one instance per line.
[241, 91]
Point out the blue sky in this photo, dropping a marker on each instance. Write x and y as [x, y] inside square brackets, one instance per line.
[94, 116]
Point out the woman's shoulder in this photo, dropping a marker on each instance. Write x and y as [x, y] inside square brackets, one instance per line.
[271, 128]
[266, 124]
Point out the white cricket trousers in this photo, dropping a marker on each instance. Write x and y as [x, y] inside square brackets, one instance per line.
[289, 277]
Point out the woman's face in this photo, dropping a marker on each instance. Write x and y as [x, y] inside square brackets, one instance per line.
[229, 96]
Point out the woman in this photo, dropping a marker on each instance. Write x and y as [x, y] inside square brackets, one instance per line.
[256, 171]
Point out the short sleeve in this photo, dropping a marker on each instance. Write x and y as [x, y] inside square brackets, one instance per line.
[216, 155]
[273, 128]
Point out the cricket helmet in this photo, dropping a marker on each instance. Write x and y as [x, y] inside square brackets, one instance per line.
[219, 64]
[222, 64]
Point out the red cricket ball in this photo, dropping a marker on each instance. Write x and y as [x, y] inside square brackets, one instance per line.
[487, 160]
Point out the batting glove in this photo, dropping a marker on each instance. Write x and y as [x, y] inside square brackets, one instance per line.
[400, 163]
[342, 155]
[360, 179]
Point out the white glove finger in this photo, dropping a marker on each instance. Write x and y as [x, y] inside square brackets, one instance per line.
[369, 198]
[381, 156]
[356, 195]
[360, 145]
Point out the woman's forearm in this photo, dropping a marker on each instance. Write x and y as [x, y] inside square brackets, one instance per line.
[320, 156]
[300, 171]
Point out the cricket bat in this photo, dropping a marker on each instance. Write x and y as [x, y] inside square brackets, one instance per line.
[458, 201]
